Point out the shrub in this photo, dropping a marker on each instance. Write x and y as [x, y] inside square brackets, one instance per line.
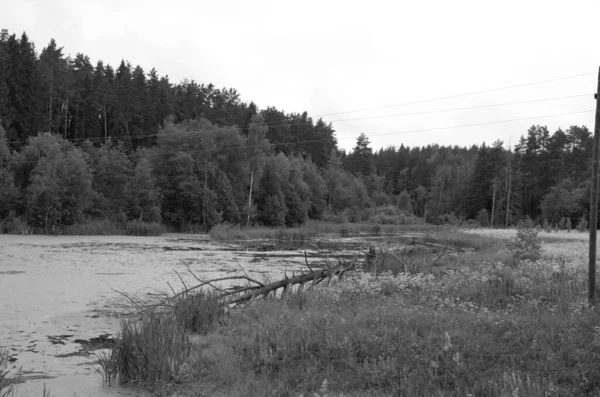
[335, 218]
[483, 218]
[562, 223]
[14, 225]
[450, 219]
[92, 228]
[354, 214]
[582, 225]
[389, 215]
[526, 245]
[546, 226]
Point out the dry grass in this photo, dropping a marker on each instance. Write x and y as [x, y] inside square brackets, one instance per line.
[308, 232]
[109, 227]
[552, 236]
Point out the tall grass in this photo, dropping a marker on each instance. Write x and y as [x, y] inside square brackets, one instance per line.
[470, 325]
[307, 232]
[8, 378]
[151, 352]
[141, 228]
[381, 343]
[199, 312]
[110, 227]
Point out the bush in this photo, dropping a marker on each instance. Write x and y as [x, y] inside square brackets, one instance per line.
[14, 225]
[450, 219]
[546, 226]
[582, 225]
[483, 218]
[526, 245]
[562, 223]
[471, 223]
[389, 215]
[92, 228]
[335, 218]
[355, 214]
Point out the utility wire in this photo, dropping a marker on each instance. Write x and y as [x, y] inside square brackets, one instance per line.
[101, 139]
[465, 108]
[374, 135]
[460, 95]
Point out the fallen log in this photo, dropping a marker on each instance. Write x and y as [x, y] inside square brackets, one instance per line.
[234, 296]
[314, 276]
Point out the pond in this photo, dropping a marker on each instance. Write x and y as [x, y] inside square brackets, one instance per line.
[58, 294]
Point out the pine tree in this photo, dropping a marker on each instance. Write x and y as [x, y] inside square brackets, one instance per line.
[23, 88]
[8, 191]
[6, 110]
[361, 160]
[53, 70]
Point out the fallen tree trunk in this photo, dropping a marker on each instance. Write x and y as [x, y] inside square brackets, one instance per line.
[239, 294]
[314, 277]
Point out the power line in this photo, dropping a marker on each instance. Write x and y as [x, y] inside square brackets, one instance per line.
[101, 139]
[485, 123]
[460, 95]
[465, 108]
[374, 135]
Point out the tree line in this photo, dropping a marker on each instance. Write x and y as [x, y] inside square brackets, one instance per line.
[81, 142]
[70, 97]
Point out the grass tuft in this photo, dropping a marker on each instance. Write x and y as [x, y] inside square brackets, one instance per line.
[151, 352]
[8, 378]
[199, 312]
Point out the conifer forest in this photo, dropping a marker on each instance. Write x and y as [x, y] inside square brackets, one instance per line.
[82, 142]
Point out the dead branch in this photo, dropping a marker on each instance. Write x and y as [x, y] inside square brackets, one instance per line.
[442, 254]
[234, 296]
[210, 282]
[181, 279]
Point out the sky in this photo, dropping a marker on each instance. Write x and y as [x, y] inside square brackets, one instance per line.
[359, 65]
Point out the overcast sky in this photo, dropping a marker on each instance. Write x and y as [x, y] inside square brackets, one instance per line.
[329, 57]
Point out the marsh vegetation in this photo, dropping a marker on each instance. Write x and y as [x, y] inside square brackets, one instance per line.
[453, 314]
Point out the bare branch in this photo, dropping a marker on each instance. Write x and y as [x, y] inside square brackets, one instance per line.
[442, 254]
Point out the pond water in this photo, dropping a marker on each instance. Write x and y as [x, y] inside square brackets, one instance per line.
[56, 292]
